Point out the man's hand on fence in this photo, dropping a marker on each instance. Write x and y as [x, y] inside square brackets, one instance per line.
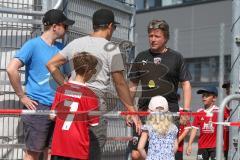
[137, 123]
[128, 120]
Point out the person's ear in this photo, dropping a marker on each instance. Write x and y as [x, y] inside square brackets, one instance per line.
[214, 98]
[54, 26]
[112, 26]
[166, 40]
[109, 26]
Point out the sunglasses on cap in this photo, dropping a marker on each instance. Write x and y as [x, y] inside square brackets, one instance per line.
[157, 25]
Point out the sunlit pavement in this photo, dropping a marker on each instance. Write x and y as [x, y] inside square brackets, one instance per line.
[193, 156]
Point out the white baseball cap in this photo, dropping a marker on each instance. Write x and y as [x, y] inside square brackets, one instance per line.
[158, 103]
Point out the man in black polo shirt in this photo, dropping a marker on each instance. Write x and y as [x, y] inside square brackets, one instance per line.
[159, 70]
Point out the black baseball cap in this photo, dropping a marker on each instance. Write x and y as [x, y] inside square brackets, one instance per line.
[56, 16]
[103, 17]
[208, 89]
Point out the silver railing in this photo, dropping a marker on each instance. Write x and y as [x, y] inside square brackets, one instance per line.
[222, 106]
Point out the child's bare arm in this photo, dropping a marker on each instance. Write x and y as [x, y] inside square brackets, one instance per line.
[183, 135]
[175, 146]
[52, 116]
[142, 143]
[192, 136]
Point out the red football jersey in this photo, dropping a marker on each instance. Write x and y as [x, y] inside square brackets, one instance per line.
[180, 131]
[71, 132]
[208, 130]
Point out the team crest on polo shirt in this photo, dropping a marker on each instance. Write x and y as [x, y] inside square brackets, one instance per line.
[202, 119]
[157, 60]
[151, 84]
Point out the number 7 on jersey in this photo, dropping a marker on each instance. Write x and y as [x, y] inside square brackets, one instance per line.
[73, 108]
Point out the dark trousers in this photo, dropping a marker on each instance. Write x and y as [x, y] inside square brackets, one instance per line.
[207, 153]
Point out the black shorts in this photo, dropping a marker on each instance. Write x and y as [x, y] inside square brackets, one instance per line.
[179, 155]
[226, 155]
[98, 138]
[133, 144]
[38, 130]
[206, 153]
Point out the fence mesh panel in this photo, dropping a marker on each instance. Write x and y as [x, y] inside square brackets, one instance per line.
[15, 30]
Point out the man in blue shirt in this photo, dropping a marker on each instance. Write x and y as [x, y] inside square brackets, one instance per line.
[38, 94]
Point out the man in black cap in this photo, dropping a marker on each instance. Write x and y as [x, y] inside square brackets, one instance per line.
[110, 66]
[38, 94]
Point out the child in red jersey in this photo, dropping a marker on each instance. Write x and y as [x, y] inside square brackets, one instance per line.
[71, 132]
[208, 130]
[183, 130]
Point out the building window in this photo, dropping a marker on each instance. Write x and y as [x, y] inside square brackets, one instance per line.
[146, 4]
[140, 5]
[170, 2]
[191, 1]
[204, 70]
[151, 3]
[227, 67]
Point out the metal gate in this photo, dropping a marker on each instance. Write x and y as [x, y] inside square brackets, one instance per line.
[20, 20]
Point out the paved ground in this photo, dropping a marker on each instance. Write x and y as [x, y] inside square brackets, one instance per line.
[193, 156]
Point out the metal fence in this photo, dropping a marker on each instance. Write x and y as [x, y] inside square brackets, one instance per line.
[14, 31]
[20, 20]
